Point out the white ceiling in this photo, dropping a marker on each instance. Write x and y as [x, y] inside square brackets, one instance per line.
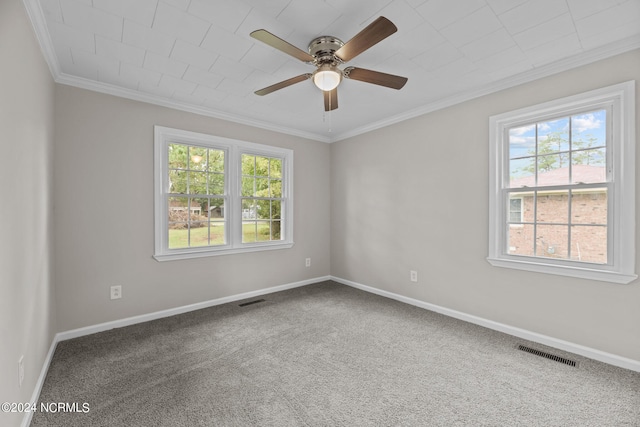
[197, 55]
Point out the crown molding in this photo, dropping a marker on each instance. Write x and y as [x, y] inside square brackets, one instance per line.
[603, 52]
[39, 24]
[36, 15]
[120, 92]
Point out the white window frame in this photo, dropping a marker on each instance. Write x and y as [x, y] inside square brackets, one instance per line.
[163, 136]
[621, 166]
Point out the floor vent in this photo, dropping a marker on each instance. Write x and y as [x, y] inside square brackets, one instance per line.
[244, 304]
[548, 355]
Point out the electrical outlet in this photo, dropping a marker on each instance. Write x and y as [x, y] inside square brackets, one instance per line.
[21, 370]
[413, 275]
[307, 262]
[116, 292]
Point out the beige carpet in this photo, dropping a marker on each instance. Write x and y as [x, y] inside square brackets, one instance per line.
[327, 355]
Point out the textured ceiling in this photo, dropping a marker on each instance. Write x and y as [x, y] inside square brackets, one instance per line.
[197, 55]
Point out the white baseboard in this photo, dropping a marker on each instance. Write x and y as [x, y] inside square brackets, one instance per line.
[35, 396]
[591, 353]
[88, 330]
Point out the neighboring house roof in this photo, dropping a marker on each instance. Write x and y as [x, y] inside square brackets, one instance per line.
[581, 173]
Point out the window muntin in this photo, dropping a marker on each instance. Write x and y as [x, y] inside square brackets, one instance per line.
[204, 205]
[576, 154]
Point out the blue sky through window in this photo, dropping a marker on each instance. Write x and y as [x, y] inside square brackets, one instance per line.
[586, 130]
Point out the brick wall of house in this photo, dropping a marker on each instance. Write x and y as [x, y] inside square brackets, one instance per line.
[588, 230]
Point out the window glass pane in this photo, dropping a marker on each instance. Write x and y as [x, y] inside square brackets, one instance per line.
[178, 235]
[589, 206]
[198, 222]
[263, 209]
[249, 231]
[248, 165]
[198, 158]
[275, 231]
[217, 234]
[588, 130]
[589, 244]
[216, 210]
[197, 182]
[552, 207]
[553, 136]
[262, 166]
[216, 215]
[515, 209]
[178, 222]
[276, 188]
[522, 150]
[216, 161]
[178, 209]
[276, 209]
[275, 168]
[262, 187]
[197, 210]
[199, 234]
[522, 172]
[591, 157]
[216, 183]
[553, 169]
[248, 185]
[552, 241]
[520, 206]
[178, 181]
[588, 166]
[177, 156]
[522, 141]
[263, 231]
[520, 239]
[248, 209]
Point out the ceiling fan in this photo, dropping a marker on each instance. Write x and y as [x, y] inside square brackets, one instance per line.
[326, 53]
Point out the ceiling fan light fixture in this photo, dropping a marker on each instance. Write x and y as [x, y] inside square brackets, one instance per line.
[327, 77]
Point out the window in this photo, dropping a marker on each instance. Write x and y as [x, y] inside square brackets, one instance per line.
[562, 195]
[218, 196]
[515, 210]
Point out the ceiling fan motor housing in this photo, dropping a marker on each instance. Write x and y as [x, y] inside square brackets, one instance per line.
[323, 49]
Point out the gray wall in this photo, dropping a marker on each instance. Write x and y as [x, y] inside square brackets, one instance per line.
[26, 124]
[414, 196]
[104, 229]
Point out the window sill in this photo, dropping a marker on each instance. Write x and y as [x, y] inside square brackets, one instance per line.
[564, 270]
[202, 253]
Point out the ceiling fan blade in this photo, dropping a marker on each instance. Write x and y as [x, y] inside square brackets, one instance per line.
[283, 84]
[274, 41]
[330, 99]
[375, 32]
[375, 77]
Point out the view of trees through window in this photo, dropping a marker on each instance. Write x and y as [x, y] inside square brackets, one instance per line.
[558, 188]
[261, 198]
[197, 203]
[196, 196]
